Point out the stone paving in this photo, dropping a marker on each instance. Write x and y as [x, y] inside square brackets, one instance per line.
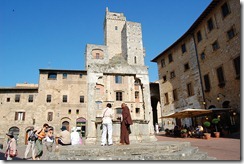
[166, 148]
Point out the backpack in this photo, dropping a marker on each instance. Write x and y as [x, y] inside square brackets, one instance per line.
[32, 137]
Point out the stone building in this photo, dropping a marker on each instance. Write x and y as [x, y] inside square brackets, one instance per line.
[115, 73]
[202, 68]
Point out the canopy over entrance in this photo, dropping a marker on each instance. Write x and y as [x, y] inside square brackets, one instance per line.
[188, 113]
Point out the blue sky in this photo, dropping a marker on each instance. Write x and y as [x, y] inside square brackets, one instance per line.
[37, 34]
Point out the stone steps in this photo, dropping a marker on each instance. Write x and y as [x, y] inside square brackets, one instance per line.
[141, 151]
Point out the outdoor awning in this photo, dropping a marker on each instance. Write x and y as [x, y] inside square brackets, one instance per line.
[188, 113]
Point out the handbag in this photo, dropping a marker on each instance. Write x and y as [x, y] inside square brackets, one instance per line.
[11, 153]
[128, 129]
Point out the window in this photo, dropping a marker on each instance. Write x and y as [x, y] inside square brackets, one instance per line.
[166, 99]
[20, 116]
[49, 98]
[207, 83]
[135, 60]
[116, 28]
[183, 48]
[118, 79]
[215, 45]
[137, 110]
[225, 10]
[175, 95]
[170, 58]
[164, 78]
[199, 36]
[220, 75]
[82, 99]
[97, 56]
[52, 76]
[65, 98]
[8, 99]
[136, 95]
[99, 105]
[231, 33]
[77, 111]
[163, 62]
[69, 111]
[65, 75]
[119, 96]
[118, 110]
[186, 66]
[172, 74]
[190, 89]
[210, 24]
[30, 99]
[202, 55]
[237, 67]
[17, 98]
[49, 116]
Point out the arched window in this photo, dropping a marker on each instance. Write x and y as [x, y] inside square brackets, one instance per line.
[135, 60]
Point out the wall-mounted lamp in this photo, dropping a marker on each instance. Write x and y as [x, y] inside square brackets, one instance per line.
[218, 96]
[204, 102]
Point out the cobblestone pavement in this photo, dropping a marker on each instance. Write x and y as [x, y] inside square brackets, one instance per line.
[222, 148]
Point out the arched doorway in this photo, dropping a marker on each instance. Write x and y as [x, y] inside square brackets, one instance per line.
[15, 131]
[81, 126]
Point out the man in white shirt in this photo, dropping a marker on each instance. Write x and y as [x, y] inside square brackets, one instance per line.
[107, 125]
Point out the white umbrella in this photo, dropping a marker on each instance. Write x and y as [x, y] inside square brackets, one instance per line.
[187, 113]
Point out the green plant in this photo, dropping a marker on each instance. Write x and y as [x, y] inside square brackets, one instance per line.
[183, 131]
[206, 124]
[215, 121]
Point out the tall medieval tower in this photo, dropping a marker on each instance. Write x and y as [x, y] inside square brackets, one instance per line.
[116, 73]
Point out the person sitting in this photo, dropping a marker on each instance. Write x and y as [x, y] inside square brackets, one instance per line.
[64, 137]
[75, 137]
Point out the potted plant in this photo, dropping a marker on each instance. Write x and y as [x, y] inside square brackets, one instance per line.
[183, 133]
[215, 121]
[207, 124]
[167, 132]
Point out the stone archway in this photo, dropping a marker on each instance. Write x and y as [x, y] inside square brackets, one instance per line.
[15, 131]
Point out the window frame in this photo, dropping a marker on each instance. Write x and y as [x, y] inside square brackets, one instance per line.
[119, 96]
[225, 10]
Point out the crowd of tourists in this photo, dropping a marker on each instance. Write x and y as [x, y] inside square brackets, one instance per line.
[40, 139]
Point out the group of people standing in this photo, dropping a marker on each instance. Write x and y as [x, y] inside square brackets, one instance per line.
[126, 121]
[44, 136]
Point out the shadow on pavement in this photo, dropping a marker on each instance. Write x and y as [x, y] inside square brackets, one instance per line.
[3, 158]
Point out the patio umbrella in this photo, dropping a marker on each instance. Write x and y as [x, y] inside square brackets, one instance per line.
[188, 113]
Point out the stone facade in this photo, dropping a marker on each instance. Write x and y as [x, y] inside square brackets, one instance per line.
[117, 74]
[207, 57]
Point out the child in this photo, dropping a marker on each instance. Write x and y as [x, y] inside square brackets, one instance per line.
[49, 139]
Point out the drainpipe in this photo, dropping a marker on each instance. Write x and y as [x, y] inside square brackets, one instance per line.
[199, 69]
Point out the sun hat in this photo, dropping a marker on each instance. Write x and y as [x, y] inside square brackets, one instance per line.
[10, 134]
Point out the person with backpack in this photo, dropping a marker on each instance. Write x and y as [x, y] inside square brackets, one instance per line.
[41, 133]
[31, 143]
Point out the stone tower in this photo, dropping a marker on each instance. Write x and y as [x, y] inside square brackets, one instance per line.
[116, 73]
[113, 26]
